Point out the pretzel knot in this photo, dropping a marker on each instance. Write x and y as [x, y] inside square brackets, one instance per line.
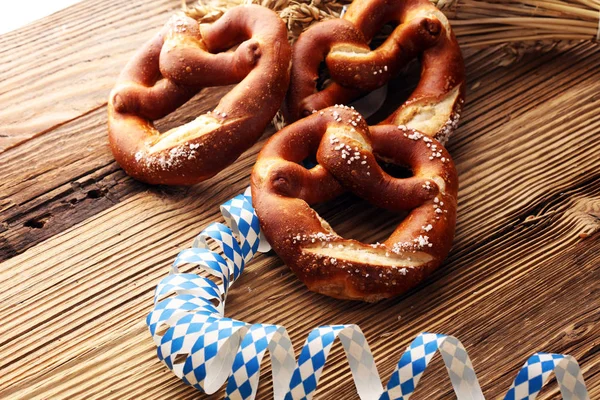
[176, 64]
[347, 152]
[422, 31]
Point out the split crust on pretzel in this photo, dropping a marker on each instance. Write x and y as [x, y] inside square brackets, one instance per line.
[423, 31]
[347, 151]
[172, 67]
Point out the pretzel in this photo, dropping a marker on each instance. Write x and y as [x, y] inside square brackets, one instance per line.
[423, 31]
[347, 151]
[176, 64]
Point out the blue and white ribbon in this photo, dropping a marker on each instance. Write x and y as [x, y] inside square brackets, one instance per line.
[204, 348]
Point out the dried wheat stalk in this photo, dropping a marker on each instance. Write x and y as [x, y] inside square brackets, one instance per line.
[523, 26]
[298, 15]
[532, 24]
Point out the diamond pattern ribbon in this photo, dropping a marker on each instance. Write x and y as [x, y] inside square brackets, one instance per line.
[205, 349]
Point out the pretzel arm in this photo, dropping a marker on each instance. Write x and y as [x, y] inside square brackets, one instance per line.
[184, 58]
[280, 169]
[309, 51]
[435, 105]
[152, 102]
[141, 88]
[142, 67]
[352, 66]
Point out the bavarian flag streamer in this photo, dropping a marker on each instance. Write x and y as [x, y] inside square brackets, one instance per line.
[205, 349]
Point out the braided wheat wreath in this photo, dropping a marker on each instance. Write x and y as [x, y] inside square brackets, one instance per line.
[348, 151]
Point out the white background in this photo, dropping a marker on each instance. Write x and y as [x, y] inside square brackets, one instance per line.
[16, 13]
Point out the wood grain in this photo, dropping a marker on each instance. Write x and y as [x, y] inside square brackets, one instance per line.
[84, 246]
[73, 58]
[76, 178]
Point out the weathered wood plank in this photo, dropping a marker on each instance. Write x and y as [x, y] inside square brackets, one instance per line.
[520, 279]
[76, 178]
[88, 274]
[478, 296]
[73, 58]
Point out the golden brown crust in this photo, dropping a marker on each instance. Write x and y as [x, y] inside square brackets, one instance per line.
[347, 152]
[172, 67]
[355, 69]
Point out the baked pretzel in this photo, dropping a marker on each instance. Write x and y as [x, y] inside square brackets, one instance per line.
[423, 31]
[172, 67]
[347, 151]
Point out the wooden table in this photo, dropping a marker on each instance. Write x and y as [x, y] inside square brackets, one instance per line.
[82, 245]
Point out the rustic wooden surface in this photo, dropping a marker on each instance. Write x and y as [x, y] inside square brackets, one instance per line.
[82, 245]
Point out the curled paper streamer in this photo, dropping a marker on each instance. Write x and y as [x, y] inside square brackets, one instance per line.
[204, 348]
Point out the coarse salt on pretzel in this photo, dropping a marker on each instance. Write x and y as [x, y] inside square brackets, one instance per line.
[347, 151]
[423, 31]
[172, 67]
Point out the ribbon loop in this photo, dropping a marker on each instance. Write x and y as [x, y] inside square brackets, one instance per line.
[204, 348]
[536, 372]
